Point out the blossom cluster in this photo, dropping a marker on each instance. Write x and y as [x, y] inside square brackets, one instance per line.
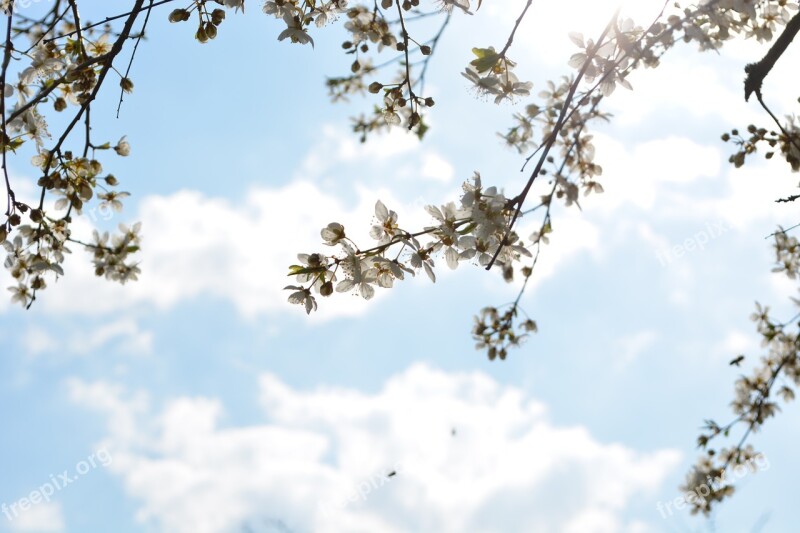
[473, 231]
[715, 21]
[756, 396]
[786, 140]
[57, 62]
[492, 75]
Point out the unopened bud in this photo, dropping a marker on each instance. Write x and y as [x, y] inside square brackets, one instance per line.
[217, 16]
[375, 87]
[201, 34]
[126, 84]
[326, 289]
[179, 15]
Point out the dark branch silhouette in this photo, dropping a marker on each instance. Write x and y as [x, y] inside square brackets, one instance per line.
[756, 72]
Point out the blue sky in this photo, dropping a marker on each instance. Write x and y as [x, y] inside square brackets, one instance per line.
[222, 407]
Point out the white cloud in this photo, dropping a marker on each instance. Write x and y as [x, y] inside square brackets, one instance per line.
[82, 340]
[737, 342]
[194, 245]
[126, 331]
[688, 83]
[436, 167]
[750, 193]
[462, 447]
[338, 145]
[123, 414]
[44, 517]
[573, 233]
[397, 153]
[38, 340]
[631, 347]
[650, 174]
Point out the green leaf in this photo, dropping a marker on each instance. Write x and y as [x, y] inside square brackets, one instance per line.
[467, 229]
[487, 59]
[294, 270]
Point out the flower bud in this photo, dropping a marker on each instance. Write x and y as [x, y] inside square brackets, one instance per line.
[326, 289]
[201, 35]
[126, 84]
[217, 16]
[211, 30]
[425, 49]
[123, 148]
[60, 104]
[179, 15]
[375, 87]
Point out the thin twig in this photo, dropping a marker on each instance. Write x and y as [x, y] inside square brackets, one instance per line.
[133, 55]
[10, 199]
[520, 199]
[134, 11]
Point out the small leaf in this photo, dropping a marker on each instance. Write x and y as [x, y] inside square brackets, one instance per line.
[487, 59]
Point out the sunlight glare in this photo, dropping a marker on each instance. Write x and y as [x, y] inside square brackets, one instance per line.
[590, 16]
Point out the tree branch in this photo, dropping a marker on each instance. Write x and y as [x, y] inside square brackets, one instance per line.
[756, 72]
